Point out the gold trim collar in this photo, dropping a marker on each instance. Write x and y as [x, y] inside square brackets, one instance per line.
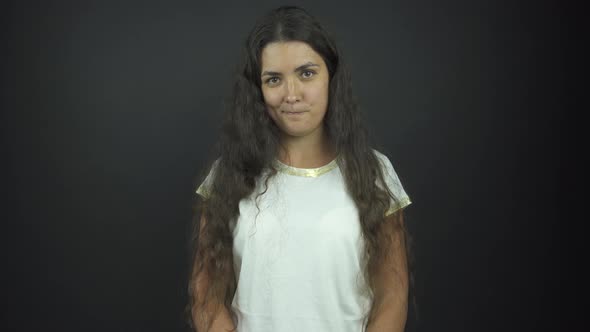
[306, 172]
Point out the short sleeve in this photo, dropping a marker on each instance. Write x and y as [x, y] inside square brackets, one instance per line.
[394, 184]
[204, 188]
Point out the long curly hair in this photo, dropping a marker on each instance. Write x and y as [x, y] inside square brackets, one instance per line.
[249, 143]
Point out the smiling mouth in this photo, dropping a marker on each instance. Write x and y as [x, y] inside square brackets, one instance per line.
[295, 112]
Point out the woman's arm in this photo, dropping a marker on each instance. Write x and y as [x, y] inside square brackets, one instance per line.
[391, 293]
[222, 321]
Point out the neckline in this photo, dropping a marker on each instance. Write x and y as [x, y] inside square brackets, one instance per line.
[306, 172]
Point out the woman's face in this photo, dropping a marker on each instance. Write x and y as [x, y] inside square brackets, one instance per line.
[295, 87]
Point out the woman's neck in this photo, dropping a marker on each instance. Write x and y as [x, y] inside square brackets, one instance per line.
[309, 151]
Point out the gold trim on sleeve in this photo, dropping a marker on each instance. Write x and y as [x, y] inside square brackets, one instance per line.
[203, 192]
[401, 204]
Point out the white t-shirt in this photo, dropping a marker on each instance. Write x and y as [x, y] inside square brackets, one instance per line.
[298, 262]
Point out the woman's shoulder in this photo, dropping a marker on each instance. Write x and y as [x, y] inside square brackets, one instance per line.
[381, 157]
[393, 182]
[209, 175]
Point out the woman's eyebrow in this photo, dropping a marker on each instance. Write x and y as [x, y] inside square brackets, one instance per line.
[302, 67]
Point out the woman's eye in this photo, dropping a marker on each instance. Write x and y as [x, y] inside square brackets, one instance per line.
[308, 74]
[272, 80]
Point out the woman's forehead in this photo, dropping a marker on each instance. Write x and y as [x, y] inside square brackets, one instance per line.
[288, 54]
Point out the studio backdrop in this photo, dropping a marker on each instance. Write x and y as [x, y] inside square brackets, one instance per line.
[110, 110]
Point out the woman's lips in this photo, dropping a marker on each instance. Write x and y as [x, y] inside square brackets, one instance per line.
[294, 114]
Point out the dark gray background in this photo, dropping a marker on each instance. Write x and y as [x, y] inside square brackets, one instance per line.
[109, 110]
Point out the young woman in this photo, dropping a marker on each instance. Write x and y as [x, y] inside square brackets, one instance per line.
[301, 225]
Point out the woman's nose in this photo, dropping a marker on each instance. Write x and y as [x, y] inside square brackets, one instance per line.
[293, 91]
